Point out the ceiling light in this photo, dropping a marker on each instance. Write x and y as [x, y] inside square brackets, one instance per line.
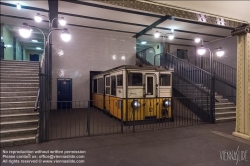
[35, 41]
[38, 17]
[197, 40]
[38, 48]
[25, 31]
[201, 51]
[8, 45]
[123, 57]
[62, 22]
[220, 52]
[171, 37]
[143, 42]
[18, 6]
[157, 34]
[114, 57]
[172, 29]
[65, 35]
[1, 38]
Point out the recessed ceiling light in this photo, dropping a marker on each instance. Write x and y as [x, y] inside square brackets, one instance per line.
[143, 42]
[34, 41]
[38, 48]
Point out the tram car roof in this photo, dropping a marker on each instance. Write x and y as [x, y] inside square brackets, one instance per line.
[136, 67]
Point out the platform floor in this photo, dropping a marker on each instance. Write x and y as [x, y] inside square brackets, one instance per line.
[73, 123]
[198, 145]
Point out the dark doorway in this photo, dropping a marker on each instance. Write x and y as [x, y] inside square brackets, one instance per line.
[183, 54]
[2, 51]
[64, 93]
[34, 57]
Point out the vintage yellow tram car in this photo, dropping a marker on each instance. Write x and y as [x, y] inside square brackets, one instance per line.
[134, 93]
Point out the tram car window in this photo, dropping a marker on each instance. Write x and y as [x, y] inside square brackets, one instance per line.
[135, 79]
[126, 91]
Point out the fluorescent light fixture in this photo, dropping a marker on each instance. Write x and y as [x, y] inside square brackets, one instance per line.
[201, 51]
[8, 45]
[197, 40]
[61, 21]
[35, 41]
[38, 17]
[65, 35]
[143, 42]
[171, 37]
[18, 6]
[38, 48]
[157, 34]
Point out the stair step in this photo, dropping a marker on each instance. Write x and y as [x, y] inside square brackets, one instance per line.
[225, 114]
[19, 84]
[20, 81]
[17, 104]
[18, 117]
[3, 78]
[20, 74]
[222, 100]
[19, 61]
[4, 66]
[220, 105]
[11, 94]
[18, 132]
[18, 110]
[17, 98]
[225, 119]
[18, 124]
[18, 89]
[225, 109]
[13, 141]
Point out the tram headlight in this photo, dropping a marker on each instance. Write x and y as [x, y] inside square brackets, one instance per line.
[135, 104]
[166, 103]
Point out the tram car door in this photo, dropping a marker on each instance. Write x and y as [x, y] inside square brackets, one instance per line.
[150, 96]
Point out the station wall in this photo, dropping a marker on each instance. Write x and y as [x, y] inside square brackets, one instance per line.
[88, 50]
[229, 45]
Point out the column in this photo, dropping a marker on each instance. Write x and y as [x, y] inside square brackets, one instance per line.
[242, 128]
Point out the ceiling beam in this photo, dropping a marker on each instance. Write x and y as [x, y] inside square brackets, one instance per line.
[180, 13]
[150, 27]
[112, 8]
[53, 12]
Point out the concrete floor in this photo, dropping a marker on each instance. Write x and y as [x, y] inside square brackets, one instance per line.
[73, 123]
[197, 145]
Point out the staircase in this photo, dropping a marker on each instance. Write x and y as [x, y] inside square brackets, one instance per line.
[224, 109]
[19, 83]
[193, 82]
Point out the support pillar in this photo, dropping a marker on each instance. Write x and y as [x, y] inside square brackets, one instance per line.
[242, 128]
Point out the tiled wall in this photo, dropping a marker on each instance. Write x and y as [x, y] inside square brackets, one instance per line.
[88, 50]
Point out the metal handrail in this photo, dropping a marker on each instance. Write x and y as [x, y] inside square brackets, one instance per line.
[37, 98]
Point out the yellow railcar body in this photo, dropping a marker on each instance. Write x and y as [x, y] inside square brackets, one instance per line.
[98, 100]
[149, 108]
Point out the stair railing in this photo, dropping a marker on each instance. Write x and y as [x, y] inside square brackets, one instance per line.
[220, 70]
[41, 70]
